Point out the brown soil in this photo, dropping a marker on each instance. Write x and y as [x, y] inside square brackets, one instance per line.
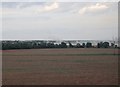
[31, 67]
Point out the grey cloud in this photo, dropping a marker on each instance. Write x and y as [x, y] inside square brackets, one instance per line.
[20, 4]
[61, 23]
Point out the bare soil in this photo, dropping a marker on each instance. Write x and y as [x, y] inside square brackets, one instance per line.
[60, 67]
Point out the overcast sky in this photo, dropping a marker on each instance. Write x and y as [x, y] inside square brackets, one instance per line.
[59, 20]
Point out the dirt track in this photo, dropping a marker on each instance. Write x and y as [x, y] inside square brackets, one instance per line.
[60, 67]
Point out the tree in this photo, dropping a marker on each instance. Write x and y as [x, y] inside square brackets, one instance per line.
[106, 44]
[88, 44]
[50, 45]
[112, 45]
[63, 45]
[78, 45]
[57, 46]
[83, 45]
[116, 46]
[98, 45]
[43, 44]
[70, 45]
[101, 44]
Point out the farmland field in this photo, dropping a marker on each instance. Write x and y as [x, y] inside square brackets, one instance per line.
[77, 66]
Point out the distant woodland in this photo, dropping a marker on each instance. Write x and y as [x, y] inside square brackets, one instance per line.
[6, 45]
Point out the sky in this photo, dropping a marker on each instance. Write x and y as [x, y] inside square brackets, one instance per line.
[59, 20]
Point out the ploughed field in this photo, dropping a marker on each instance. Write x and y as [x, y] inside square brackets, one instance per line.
[77, 66]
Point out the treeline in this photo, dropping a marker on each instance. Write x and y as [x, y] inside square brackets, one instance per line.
[46, 44]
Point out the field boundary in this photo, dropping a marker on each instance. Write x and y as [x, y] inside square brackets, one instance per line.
[62, 54]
